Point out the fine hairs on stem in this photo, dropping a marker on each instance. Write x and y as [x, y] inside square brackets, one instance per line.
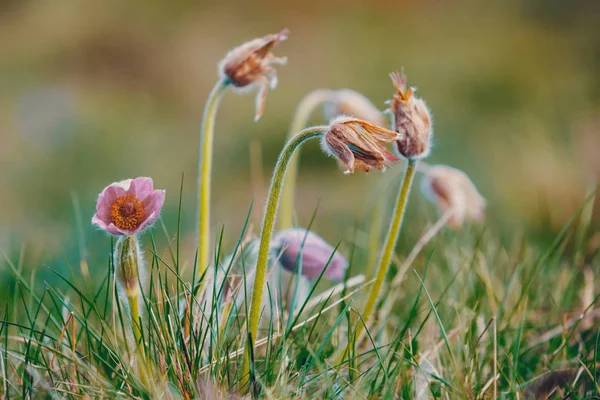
[128, 267]
[205, 173]
[306, 107]
[388, 249]
[265, 238]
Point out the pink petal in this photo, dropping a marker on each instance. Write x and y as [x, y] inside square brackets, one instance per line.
[141, 187]
[154, 207]
[106, 199]
[147, 222]
[315, 254]
[112, 228]
[337, 268]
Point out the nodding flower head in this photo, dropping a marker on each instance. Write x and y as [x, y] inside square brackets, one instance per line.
[128, 207]
[250, 65]
[452, 190]
[411, 119]
[358, 143]
[316, 253]
[354, 104]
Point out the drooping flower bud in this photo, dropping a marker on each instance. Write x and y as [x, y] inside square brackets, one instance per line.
[451, 190]
[250, 64]
[128, 207]
[411, 119]
[354, 104]
[316, 254]
[357, 143]
[129, 264]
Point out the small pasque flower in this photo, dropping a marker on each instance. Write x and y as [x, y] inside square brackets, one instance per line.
[250, 65]
[128, 207]
[352, 103]
[452, 190]
[358, 144]
[316, 254]
[411, 119]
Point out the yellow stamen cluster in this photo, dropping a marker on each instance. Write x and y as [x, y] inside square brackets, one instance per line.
[127, 212]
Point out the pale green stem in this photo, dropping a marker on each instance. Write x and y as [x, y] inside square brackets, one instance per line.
[265, 238]
[128, 263]
[388, 249]
[303, 112]
[134, 310]
[204, 175]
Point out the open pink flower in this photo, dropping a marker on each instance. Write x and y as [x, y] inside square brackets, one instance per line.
[316, 254]
[128, 207]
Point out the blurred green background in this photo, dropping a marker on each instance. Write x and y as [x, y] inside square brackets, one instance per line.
[94, 92]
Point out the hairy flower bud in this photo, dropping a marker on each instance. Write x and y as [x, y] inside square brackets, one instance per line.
[354, 104]
[452, 190]
[250, 65]
[128, 264]
[411, 118]
[316, 254]
[357, 143]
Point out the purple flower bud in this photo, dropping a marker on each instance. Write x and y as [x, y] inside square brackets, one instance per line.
[316, 253]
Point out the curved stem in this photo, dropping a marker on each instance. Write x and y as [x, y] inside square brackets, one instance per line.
[305, 108]
[204, 174]
[265, 237]
[388, 250]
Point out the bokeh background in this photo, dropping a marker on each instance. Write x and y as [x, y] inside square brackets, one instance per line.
[97, 91]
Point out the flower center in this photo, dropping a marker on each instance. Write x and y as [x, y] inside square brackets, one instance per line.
[127, 212]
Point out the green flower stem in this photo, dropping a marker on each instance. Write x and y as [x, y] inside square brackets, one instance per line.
[388, 249]
[134, 311]
[128, 263]
[265, 238]
[204, 174]
[305, 108]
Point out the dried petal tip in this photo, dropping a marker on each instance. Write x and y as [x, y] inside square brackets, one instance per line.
[250, 65]
[451, 190]
[411, 118]
[128, 207]
[358, 144]
[350, 102]
[316, 253]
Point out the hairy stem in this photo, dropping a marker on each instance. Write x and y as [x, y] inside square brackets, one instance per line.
[134, 310]
[265, 237]
[388, 249]
[305, 108]
[204, 175]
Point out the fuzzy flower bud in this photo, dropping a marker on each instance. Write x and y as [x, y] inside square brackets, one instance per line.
[354, 104]
[250, 65]
[128, 264]
[451, 190]
[357, 143]
[411, 119]
[315, 252]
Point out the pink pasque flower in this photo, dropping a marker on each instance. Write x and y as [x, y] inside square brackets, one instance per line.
[128, 207]
[316, 254]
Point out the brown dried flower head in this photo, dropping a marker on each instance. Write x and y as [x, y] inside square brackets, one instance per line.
[410, 118]
[350, 102]
[451, 189]
[250, 65]
[358, 143]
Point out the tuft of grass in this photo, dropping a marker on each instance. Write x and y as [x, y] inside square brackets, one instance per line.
[475, 318]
